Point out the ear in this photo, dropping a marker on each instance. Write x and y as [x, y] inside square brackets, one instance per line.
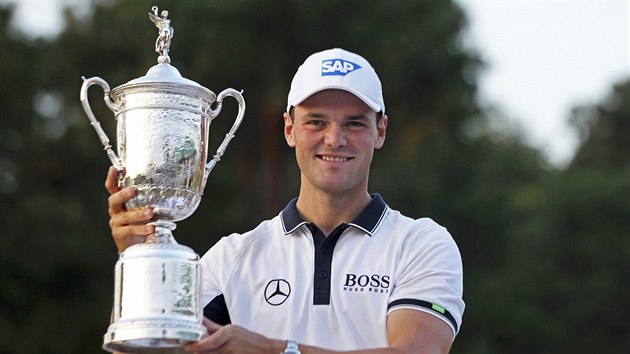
[288, 129]
[381, 130]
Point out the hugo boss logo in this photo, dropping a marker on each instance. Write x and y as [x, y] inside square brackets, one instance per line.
[277, 292]
[367, 283]
[338, 67]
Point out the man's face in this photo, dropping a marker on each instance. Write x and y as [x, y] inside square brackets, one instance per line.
[334, 134]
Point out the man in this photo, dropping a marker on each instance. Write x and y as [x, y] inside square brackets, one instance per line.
[337, 270]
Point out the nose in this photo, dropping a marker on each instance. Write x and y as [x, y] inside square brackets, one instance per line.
[335, 136]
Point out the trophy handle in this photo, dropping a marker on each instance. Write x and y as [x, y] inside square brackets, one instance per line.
[94, 122]
[239, 118]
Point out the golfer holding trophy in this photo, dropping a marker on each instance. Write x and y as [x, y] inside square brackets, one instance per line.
[163, 123]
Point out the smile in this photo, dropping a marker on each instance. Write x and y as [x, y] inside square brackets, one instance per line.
[334, 158]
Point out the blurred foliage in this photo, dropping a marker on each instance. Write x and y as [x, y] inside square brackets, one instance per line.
[545, 251]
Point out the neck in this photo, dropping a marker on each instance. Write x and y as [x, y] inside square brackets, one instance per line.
[329, 210]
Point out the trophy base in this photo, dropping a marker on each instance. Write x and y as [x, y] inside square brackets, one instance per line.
[157, 301]
[159, 336]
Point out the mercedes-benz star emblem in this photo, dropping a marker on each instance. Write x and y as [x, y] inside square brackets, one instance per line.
[277, 292]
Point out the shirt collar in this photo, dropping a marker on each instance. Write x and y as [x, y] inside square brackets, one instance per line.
[367, 221]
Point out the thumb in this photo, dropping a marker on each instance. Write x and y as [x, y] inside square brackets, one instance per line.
[211, 326]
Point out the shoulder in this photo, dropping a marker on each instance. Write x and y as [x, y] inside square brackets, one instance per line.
[421, 242]
[422, 230]
[235, 244]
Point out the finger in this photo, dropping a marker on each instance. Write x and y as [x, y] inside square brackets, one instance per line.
[211, 328]
[111, 182]
[214, 341]
[130, 227]
[117, 200]
[122, 232]
[131, 223]
[127, 236]
[131, 217]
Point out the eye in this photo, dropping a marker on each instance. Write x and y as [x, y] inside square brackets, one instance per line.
[315, 123]
[356, 124]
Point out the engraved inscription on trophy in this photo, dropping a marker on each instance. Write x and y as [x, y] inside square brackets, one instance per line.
[162, 130]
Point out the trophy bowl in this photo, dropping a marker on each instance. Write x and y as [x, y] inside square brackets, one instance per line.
[162, 126]
[162, 135]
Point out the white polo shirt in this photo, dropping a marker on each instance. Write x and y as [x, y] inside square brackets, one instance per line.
[286, 280]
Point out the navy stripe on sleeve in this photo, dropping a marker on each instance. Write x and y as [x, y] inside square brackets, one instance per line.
[427, 305]
[217, 311]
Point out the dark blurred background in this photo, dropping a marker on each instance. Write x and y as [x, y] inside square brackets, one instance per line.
[546, 249]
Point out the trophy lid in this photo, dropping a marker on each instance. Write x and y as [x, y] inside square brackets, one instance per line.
[163, 75]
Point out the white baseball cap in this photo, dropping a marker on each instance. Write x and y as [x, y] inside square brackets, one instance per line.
[337, 69]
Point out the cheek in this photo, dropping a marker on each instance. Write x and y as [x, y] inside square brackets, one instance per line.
[368, 142]
[301, 160]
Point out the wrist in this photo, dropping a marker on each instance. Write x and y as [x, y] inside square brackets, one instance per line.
[278, 346]
[290, 347]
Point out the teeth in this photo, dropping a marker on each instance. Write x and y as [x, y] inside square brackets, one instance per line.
[333, 158]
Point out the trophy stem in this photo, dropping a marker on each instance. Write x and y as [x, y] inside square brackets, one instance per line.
[163, 232]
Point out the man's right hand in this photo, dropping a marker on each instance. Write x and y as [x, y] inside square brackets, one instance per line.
[129, 227]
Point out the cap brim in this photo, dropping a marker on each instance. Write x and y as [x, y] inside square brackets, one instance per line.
[297, 100]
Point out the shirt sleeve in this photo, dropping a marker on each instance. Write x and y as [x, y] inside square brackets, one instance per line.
[216, 267]
[430, 275]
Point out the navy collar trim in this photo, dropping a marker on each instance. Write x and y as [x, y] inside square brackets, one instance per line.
[367, 221]
[291, 219]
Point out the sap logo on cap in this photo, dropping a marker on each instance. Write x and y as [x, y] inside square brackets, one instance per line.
[338, 67]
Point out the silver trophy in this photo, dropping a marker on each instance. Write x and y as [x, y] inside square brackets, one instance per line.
[163, 123]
